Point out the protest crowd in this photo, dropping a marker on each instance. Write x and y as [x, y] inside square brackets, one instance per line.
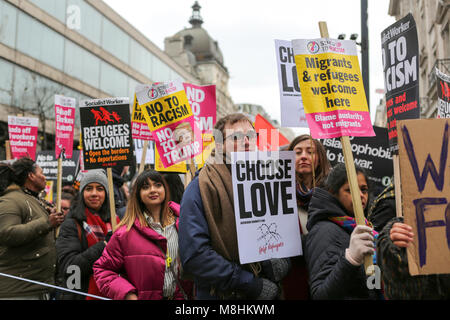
[251, 219]
[162, 249]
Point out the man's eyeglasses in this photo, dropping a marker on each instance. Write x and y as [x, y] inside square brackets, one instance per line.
[239, 135]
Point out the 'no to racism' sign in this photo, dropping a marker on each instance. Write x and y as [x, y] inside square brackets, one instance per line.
[106, 133]
[401, 74]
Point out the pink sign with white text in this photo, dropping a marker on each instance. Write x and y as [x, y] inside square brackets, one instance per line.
[64, 125]
[23, 134]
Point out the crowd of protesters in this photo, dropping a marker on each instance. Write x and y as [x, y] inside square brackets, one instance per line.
[177, 243]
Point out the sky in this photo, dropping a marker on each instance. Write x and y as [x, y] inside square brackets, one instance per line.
[246, 30]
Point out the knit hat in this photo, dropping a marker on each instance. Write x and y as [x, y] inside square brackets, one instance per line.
[96, 175]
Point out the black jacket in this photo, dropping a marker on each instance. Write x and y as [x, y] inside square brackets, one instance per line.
[398, 283]
[331, 276]
[73, 253]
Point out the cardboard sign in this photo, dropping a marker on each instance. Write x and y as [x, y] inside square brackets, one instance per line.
[292, 112]
[49, 164]
[443, 92]
[150, 154]
[139, 127]
[265, 205]
[269, 138]
[171, 121]
[106, 133]
[332, 88]
[23, 134]
[370, 153]
[400, 52]
[64, 125]
[424, 167]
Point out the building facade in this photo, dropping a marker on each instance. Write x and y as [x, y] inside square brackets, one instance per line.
[78, 48]
[432, 18]
[199, 54]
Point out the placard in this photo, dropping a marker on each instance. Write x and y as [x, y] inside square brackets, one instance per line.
[291, 104]
[171, 121]
[23, 134]
[64, 125]
[139, 127]
[332, 88]
[49, 164]
[400, 53]
[106, 133]
[443, 93]
[265, 205]
[424, 167]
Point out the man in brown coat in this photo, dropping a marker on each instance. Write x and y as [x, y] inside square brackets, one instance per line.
[27, 242]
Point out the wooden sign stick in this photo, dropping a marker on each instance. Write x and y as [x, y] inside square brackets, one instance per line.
[144, 155]
[8, 150]
[352, 177]
[397, 186]
[112, 204]
[58, 189]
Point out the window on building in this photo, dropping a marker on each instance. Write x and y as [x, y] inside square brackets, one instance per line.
[81, 64]
[8, 18]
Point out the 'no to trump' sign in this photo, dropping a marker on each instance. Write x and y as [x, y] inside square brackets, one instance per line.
[265, 205]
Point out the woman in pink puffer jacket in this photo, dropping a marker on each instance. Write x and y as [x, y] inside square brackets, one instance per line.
[141, 259]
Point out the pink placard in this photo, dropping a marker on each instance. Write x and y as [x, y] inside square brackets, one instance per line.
[178, 142]
[64, 125]
[23, 134]
[202, 100]
[338, 123]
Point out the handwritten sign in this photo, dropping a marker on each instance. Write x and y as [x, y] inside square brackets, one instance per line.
[400, 53]
[292, 112]
[106, 133]
[23, 134]
[64, 125]
[265, 205]
[424, 168]
[332, 88]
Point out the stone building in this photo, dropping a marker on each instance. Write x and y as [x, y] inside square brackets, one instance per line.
[200, 55]
[432, 18]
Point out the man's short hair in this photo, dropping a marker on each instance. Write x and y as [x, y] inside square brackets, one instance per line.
[230, 120]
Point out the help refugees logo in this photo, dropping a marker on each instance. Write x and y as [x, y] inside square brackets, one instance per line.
[105, 116]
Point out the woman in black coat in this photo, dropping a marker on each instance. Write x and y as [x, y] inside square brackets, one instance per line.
[335, 246]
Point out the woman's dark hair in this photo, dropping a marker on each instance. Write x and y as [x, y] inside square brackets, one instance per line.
[323, 166]
[135, 205]
[338, 177]
[22, 168]
[7, 177]
[176, 186]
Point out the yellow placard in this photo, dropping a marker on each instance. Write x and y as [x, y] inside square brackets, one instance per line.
[330, 82]
[179, 167]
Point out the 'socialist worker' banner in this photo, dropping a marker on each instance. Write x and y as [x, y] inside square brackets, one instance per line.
[401, 74]
[443, 92]
[292, 112]
[265, 205]
[23, 134]
[139, 127]
[424, 171]
[332, 88]
[64, 125]
[171, 121]
[106, 133]
[370, 153]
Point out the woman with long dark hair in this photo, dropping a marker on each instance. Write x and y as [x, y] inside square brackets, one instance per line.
[141, 261]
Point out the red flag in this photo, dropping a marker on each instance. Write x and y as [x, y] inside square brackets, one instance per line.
[269, 138]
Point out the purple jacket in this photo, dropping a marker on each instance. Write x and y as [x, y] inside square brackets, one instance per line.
[133, 262]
